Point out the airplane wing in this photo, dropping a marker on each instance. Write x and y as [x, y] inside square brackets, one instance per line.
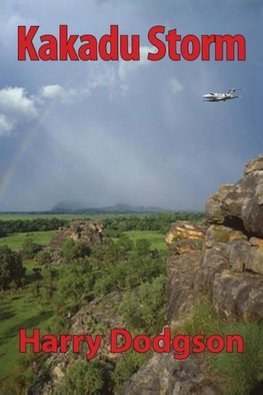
[211, 99]
[217, 99]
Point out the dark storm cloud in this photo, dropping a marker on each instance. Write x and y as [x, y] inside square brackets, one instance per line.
[136, 133]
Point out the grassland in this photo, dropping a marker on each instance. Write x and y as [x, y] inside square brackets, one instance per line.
[18, 309]
[155, 238]
[16, 240]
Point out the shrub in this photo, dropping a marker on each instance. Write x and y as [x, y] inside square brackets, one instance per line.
[2, 233]
[84, 378]
[145, 309]
[72, 250]
[126, 366]
[242, 371]
[43, 257]
[11, 268]
[239, 372]
[30, 249]
[143, 247]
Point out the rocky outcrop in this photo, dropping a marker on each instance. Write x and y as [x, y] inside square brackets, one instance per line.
[184, 237]
[231, 270]
[241, 205]
[164, 375]
[88, 319]
[87, 232]
[228, 271]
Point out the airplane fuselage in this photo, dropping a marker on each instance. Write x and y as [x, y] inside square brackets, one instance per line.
[215, 97]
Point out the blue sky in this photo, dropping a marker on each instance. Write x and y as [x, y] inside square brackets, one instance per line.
[102, 133]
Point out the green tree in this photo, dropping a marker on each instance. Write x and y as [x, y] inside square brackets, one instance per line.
[30, 249]
[143, 247]
[11, 268]
[144, 309]
[2, 233]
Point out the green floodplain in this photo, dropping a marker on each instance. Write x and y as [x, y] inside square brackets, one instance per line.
[19, 307]
[132, 259]
[126, 275]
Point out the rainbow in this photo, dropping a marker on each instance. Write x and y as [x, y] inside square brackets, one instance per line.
[20, 151]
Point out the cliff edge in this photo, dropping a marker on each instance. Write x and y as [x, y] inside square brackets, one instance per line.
[224, 264]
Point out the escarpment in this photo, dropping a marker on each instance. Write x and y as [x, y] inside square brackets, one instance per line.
[224, 264]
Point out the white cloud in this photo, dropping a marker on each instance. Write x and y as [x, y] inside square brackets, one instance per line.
[15, 102]
[175, 85]
[53, 92]
[6, 126]
[125, 68]
[103, 76]
[8, 28]
[60, 94]
[15, 106]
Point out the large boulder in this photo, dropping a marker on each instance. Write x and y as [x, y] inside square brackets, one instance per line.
[230, 272]
[182, 271]
[231, 276]
[164, 375]
[241, 205]
[184, 237]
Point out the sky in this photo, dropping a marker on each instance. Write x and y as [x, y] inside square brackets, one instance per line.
[102, 133]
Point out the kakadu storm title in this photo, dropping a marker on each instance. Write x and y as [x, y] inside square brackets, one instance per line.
[113, 46]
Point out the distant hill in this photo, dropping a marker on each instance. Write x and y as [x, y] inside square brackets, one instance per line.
[76, 207]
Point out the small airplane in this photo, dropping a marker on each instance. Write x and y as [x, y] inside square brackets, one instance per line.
[215, 97]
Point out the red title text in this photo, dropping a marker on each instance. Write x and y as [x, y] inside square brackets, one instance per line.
[114, 46]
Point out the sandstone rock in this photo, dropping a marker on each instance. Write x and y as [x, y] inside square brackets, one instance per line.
[87, 232]
[254, 165]
[184, 230]
[57, 375]
[239, 256]
[230, 275]
[214, 209]
[181, 275]
[97, 313]
[256, 242]
[238, 294]
[163, 375]
[255, 261]
[222, 234]
[241, 205]
[214, 260]
[185, 237]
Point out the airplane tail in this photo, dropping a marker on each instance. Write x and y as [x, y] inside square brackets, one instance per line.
[233, 90]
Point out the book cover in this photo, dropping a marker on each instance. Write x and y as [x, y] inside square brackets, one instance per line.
[131, 197]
